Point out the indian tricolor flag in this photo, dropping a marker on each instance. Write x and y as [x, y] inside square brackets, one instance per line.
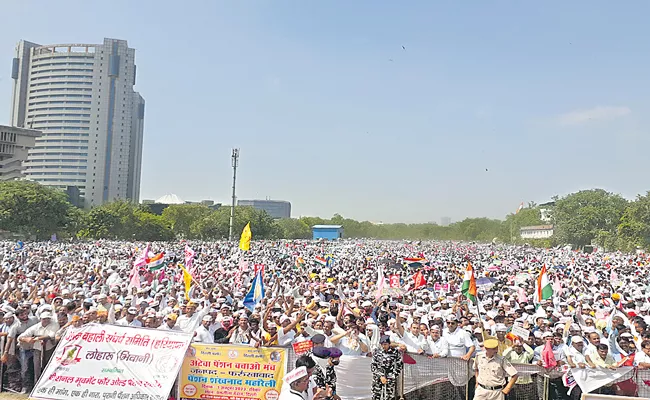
[300, 263]
[320, 260]
[521, 207]
[156, 262]
[543, 287]
[469, 284]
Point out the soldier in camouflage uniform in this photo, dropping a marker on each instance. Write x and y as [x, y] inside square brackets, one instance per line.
[386, 366]
[325, 376]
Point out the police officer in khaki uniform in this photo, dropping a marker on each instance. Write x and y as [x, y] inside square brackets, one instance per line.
[491, 371]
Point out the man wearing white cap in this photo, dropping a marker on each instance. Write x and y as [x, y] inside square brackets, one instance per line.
[202, 333]
[575, 353]
[130, 318]
[41, 336]
[298, 382]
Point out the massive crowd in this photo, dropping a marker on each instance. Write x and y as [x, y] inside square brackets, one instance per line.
[327, 291]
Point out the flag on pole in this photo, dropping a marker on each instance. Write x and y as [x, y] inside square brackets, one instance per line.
[321, 261]
[418, 280]
[189, 257]
[469, 284]
[329, 260]
[521, 207]
[187, 279]
[543, 288]
[245, 241]
[256, 294]
[380, 281]
[156, 262]
[140, 261]
[300, 263]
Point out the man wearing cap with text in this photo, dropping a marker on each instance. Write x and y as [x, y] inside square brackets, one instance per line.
[491, 371]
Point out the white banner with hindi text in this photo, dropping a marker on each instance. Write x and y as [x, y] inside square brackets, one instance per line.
[110, 362]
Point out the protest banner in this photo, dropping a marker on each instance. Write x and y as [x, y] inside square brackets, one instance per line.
[232, 372]
[521, 332]
[113, 362]
[303, 347]
[441, 287]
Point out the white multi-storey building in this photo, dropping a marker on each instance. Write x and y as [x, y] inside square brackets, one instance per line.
[81, 97]
[14, 146]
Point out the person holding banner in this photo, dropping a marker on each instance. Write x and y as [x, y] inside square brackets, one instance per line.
[41, 336]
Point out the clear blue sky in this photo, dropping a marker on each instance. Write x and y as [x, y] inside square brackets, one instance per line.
[549, 96]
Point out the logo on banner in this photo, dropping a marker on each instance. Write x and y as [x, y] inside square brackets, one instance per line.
[394, 281]
[69, 356]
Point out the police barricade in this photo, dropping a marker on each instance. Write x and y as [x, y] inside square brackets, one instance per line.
[453, 379]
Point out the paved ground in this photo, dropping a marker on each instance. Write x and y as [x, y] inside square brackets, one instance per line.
[11, 396]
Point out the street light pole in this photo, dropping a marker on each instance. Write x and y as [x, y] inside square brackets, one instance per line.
[235, 164]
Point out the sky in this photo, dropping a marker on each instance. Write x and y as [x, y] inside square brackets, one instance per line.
[489, 103]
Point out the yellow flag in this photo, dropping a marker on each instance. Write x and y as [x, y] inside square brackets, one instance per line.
[245, 241]
[187, 278]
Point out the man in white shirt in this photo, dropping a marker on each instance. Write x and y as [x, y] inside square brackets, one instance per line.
[202, 333]
[575, 353]
[191, 318]
[41, 336]
[437, 346]
[169, 324]
[460, 342]
[129, 319]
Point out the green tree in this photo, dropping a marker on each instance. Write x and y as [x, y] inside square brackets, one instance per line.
[31, 209]
[513, 223]
[583, 216]
[182, 218]
[126, 221]
[290, 228]
[634, 228]
[217, 224]
[151, 227]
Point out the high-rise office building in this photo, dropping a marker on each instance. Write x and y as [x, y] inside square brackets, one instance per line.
[14, 145]
[275, 208]
[81, 97]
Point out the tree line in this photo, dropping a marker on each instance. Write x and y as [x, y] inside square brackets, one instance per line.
[586, 217]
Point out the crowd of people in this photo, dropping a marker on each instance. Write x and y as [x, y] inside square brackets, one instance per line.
[327, 292]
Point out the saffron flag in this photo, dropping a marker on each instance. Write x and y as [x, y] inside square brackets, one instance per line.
[246, 235]
[187, 278]
[469, 284]
[418, 280]
[543, 288]
[256, 294]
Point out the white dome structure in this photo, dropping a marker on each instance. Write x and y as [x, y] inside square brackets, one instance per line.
[170, 199]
